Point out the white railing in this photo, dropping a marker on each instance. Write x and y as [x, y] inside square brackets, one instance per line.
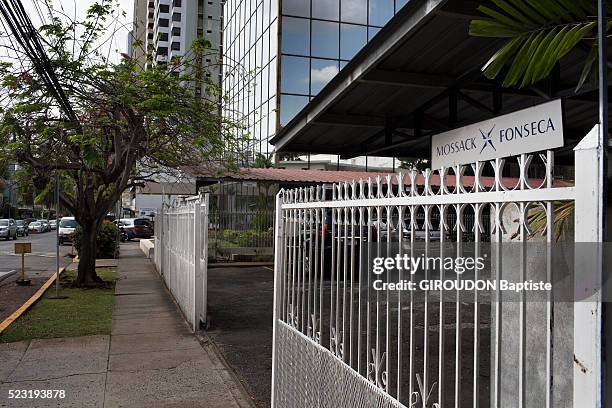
[338, 342]
[181, 255]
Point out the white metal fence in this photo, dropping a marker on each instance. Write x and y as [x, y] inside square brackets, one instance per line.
[181, 255]
[338, 343]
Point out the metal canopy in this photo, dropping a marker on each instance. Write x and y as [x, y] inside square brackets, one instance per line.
[421, 76]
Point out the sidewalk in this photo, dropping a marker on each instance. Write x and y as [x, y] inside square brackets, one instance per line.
[149, 360]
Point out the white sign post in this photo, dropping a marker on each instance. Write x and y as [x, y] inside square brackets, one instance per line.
[525, 131]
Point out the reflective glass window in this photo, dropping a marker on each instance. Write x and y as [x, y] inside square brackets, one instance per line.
[265, 51]
[354, 11]
[266, 13]
[381, 11]
[296, 36]
[264, 83]
[399, 4]
[352, 39]
[273, 77]
[272, 108]
[326, 9]
[321, 72]
[274, 38]
[258, 84]
[296, 7]
[295, 75]
[372, 31]
[325, 38]
[290, 106]
[273, 9]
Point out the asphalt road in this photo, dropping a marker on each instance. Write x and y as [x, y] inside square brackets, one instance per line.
[240, 309]
[40, 263]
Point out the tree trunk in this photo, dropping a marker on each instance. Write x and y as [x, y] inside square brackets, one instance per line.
[87, 276]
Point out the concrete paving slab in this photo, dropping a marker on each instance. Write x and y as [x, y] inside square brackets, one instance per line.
[85, 390]
[133, 301]
[151, 310]
[159, 360]
[55, 358]
[132, 305]
[139, 343]
[145, 315]
[186, 385]
[142, 326]
[10, 356]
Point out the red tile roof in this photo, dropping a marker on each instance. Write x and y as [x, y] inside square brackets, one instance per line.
[327, 176]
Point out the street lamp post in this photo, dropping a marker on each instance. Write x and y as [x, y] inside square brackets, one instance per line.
[57, 251]
[57, 221]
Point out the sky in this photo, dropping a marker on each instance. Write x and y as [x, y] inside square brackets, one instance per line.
[111, 46]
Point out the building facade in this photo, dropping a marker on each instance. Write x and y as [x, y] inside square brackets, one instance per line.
[167, 28]
[277, 58]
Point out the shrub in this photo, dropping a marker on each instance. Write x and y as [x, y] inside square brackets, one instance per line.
[107, 242]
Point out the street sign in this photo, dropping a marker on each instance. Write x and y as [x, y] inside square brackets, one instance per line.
[23, 247]
[529, 130]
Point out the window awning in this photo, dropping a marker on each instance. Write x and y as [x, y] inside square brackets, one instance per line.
[421, 75]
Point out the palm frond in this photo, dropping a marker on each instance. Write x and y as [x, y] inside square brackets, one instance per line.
[563, 213]
[539, 34]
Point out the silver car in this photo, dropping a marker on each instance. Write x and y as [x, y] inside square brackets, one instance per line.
[8, 228]
[45, 224]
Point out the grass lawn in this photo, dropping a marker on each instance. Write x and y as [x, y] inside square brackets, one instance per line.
[85, 312]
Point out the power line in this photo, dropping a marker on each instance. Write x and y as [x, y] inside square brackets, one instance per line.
[18, 21]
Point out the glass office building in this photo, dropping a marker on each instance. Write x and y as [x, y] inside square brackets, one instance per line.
[277, 59]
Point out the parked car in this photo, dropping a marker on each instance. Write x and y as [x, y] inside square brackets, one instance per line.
[53, 224]
[67, 226]
[45, 224]
[8, 228]
[22, 228]
[36, 226]
[137, 227]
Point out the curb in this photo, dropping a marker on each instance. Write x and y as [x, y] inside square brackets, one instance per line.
[8, 275]
[31, 301]
[229, 375]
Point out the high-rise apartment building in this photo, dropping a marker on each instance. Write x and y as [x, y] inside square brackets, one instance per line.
[168, 28]
[277, 59]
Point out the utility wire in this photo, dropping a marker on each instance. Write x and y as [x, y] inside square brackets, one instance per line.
[18, 21]
[41, 53]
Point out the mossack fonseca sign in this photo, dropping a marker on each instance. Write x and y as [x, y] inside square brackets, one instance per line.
[525, 131]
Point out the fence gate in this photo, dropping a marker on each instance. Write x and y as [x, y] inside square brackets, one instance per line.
[181, 255]
[240, 222]
[340, 343]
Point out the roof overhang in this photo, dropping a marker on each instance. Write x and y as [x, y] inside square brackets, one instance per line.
[283, 177]
[419, 76]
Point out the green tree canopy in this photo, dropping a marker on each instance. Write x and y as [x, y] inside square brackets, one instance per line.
[129, 123]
